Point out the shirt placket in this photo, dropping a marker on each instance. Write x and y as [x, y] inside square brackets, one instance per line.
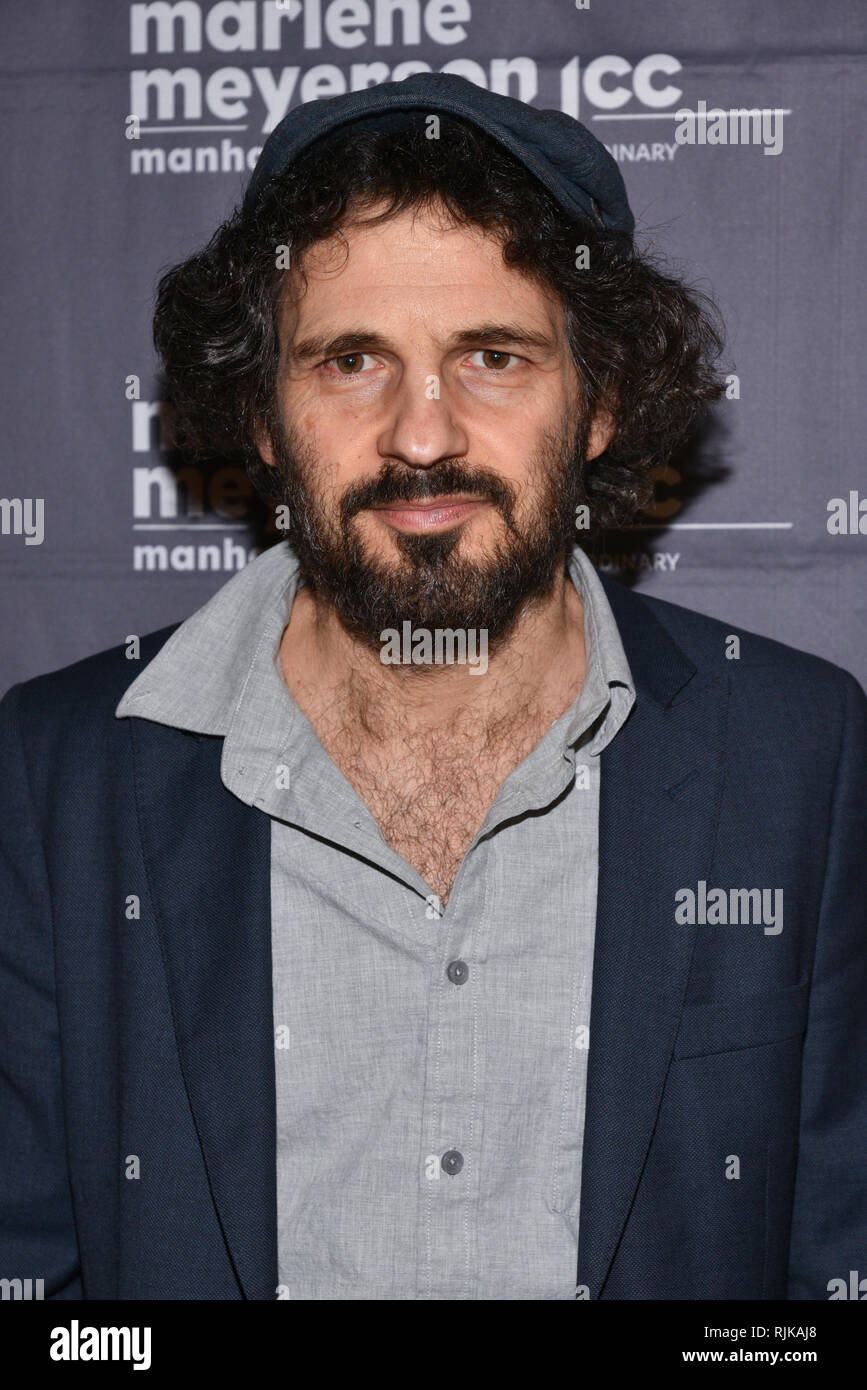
[452, 1114]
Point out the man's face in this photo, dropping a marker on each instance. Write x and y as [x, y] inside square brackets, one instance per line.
[431, 445]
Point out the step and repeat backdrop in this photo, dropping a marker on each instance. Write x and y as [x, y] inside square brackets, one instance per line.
[130, 130]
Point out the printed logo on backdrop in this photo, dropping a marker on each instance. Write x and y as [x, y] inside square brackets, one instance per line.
[213, 77]
[170, 496]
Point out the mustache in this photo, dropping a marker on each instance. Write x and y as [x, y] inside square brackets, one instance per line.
[395, 483]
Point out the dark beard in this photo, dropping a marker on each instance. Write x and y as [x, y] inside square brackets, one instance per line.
[433, 587]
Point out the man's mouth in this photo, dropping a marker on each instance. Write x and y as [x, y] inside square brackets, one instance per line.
[428, 514]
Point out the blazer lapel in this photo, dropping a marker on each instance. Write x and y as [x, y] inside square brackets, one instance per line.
[660, 783]
[208, 864]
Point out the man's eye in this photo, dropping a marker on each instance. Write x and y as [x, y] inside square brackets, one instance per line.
[493, 359]
[348, 364]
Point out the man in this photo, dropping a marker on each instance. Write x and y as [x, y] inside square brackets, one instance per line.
[425, 917]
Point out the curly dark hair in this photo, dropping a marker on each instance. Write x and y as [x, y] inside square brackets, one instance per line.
[645, 346]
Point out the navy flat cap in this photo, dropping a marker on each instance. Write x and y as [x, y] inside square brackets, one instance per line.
[571, 163]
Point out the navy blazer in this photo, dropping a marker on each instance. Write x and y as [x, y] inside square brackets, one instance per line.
[726, 1127]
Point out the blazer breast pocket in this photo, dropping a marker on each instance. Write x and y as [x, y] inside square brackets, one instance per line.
[755, 1020]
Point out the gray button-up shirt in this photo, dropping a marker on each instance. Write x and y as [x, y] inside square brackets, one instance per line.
[431, 1063]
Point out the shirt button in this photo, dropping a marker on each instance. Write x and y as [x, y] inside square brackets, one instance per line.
[452, 1162]
[458, 972]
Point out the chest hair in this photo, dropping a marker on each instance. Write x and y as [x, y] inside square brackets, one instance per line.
[429, 794]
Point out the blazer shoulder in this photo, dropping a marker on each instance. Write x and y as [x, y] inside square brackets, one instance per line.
[88, 689]
[706, 642]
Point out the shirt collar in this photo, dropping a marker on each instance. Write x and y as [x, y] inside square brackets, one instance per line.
[222, 658]
[608, 692]
[200, 674]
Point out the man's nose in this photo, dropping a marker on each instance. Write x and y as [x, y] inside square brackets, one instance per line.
[423, 429]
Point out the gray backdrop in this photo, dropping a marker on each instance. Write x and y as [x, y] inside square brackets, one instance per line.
[101, 538]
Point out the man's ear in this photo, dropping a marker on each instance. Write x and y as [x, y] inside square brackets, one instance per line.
[263, 444]
[601, 432]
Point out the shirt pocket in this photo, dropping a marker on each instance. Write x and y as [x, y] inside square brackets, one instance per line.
[755, 1020]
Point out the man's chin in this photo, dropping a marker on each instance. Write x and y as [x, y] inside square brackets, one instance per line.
[453, 595]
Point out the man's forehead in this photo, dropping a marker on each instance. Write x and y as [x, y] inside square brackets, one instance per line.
[451, 277]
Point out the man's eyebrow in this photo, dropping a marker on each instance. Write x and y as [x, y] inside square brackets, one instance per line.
[357, 340]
